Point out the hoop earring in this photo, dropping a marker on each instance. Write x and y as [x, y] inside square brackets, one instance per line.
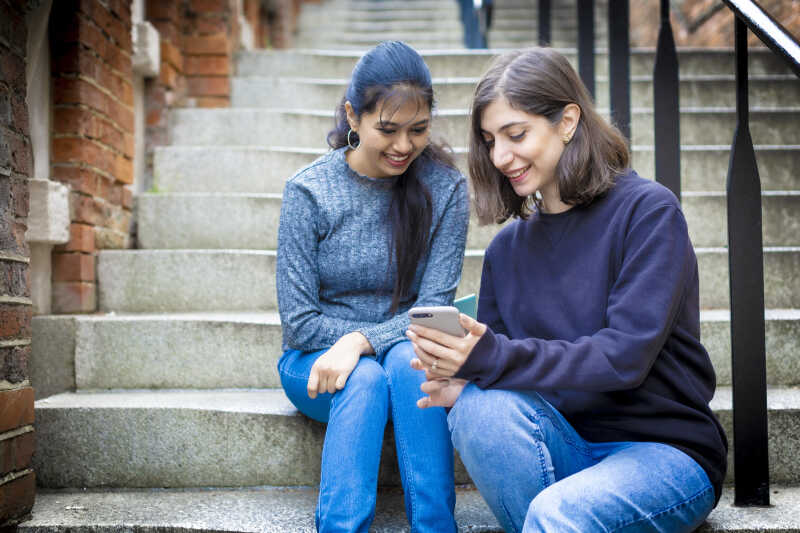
[349, 142]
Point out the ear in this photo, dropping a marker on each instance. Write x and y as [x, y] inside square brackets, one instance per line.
[352, 119]
[570, 119]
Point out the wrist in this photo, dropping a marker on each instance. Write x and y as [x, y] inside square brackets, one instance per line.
[360, 342]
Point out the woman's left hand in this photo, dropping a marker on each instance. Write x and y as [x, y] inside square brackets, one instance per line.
[440, 354]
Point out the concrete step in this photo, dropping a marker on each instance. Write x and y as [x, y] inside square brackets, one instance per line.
[186, 280]
[456, 93]
[250, 221]
[265, 169]
[189, 438]
[472, 63]
[241, 350]
[434, 22]
[277, 510]
[248, 510]
[267, 127]
[144, 281]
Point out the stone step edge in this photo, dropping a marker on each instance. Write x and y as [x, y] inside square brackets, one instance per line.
[268, 509]
[275, 402]
[273, 318]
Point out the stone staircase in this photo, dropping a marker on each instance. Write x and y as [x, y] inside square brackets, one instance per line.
[174, 418]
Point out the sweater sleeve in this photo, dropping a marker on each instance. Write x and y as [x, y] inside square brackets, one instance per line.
[657, 265]
[304, 325]
[442, 272]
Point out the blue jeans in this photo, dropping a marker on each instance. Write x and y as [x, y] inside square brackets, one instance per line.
[375, 392]
[537, 474]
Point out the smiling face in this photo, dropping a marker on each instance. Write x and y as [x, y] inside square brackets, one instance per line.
[389, 142]
[526, 149]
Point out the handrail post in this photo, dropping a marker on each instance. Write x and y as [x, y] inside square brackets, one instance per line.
[586, 44]
[544, 23]
[666, 107]
[746, 264]
[619, 76]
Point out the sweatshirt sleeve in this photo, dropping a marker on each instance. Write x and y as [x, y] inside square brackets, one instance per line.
[304, 325]
[442, 272]
[657, 266]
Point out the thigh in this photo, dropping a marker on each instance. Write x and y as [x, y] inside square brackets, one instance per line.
[634, 487]
[294, 368]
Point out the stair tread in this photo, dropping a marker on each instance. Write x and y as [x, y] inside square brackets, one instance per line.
[272, 509]
[275, 402]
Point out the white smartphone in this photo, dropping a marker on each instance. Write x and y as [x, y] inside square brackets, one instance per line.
[444, 318]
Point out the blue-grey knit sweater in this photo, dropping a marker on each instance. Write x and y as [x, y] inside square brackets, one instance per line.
[334, 274]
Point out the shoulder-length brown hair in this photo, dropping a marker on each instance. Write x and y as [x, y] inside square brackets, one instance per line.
[540, 81]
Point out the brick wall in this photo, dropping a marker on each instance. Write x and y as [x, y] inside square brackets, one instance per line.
[704, 23]
[92, 146]
[17, 481]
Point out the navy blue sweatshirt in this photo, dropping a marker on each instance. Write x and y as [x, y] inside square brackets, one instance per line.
[597, 310]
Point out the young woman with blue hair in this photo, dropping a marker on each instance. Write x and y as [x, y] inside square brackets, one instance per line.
[581, 395]
[367, 231]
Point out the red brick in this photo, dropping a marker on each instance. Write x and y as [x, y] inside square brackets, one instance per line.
[73, 266]
[17, 497]
[127, 198]
[210, 6]
[209, 86]
[208, 65]
[20, 197]
[75, 59]
[159, 9]
[20, 120]
[80, 179]
[168, 75]
[82, 150]
[16, 408]
[12, 26]
[210, 25]
[15, 321]
[213, 101]
[207, 44]
[78, 121]
[12, 69]
[20, 150]
[16, 453]
[122, 9]
[168, 30]
[172, 55]
[107, 22]
[81, 239]
[14, 363]
[74, 297]
[87, 210]
[75, 91]
[15, 276]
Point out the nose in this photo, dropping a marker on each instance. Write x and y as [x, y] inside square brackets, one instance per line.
[501, 156]
[403, 143]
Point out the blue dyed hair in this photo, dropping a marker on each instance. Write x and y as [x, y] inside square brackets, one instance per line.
[392, 74]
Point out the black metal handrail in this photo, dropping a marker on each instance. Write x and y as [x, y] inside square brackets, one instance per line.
[745, 242]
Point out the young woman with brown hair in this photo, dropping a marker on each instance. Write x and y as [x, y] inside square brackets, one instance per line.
[580, 396]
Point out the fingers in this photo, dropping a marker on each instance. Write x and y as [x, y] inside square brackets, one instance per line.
[340, 381]
[471, 325]
[438, 337]
[313, 383]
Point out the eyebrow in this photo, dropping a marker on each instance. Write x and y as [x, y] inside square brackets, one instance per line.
[389, 123]
[506, 126]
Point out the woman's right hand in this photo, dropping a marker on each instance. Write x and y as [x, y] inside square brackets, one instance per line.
[330, 371]
[441, 392]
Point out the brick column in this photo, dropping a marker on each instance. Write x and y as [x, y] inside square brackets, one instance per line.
[17, 480]
[93, 141]
[211, 35]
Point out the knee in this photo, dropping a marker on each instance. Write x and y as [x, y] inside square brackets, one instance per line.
[554, 510]
[367, 377]
[398, 358]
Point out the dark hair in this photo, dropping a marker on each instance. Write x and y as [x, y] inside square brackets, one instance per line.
[392, 74]
[540, 81]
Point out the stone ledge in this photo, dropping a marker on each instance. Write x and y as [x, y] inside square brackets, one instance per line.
[267, 509]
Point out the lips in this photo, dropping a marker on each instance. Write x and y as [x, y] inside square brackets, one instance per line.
[397, 160]
[517, 175]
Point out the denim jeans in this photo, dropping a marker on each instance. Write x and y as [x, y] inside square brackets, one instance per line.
[375, 392]
[537, 474]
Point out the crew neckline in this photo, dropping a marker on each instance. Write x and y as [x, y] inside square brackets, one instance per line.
[384, 182]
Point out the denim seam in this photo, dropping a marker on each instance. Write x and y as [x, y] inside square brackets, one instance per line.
[668, 510]
[402, 451]
[583, 450]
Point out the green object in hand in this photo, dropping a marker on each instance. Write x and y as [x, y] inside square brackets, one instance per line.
[467, 305]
